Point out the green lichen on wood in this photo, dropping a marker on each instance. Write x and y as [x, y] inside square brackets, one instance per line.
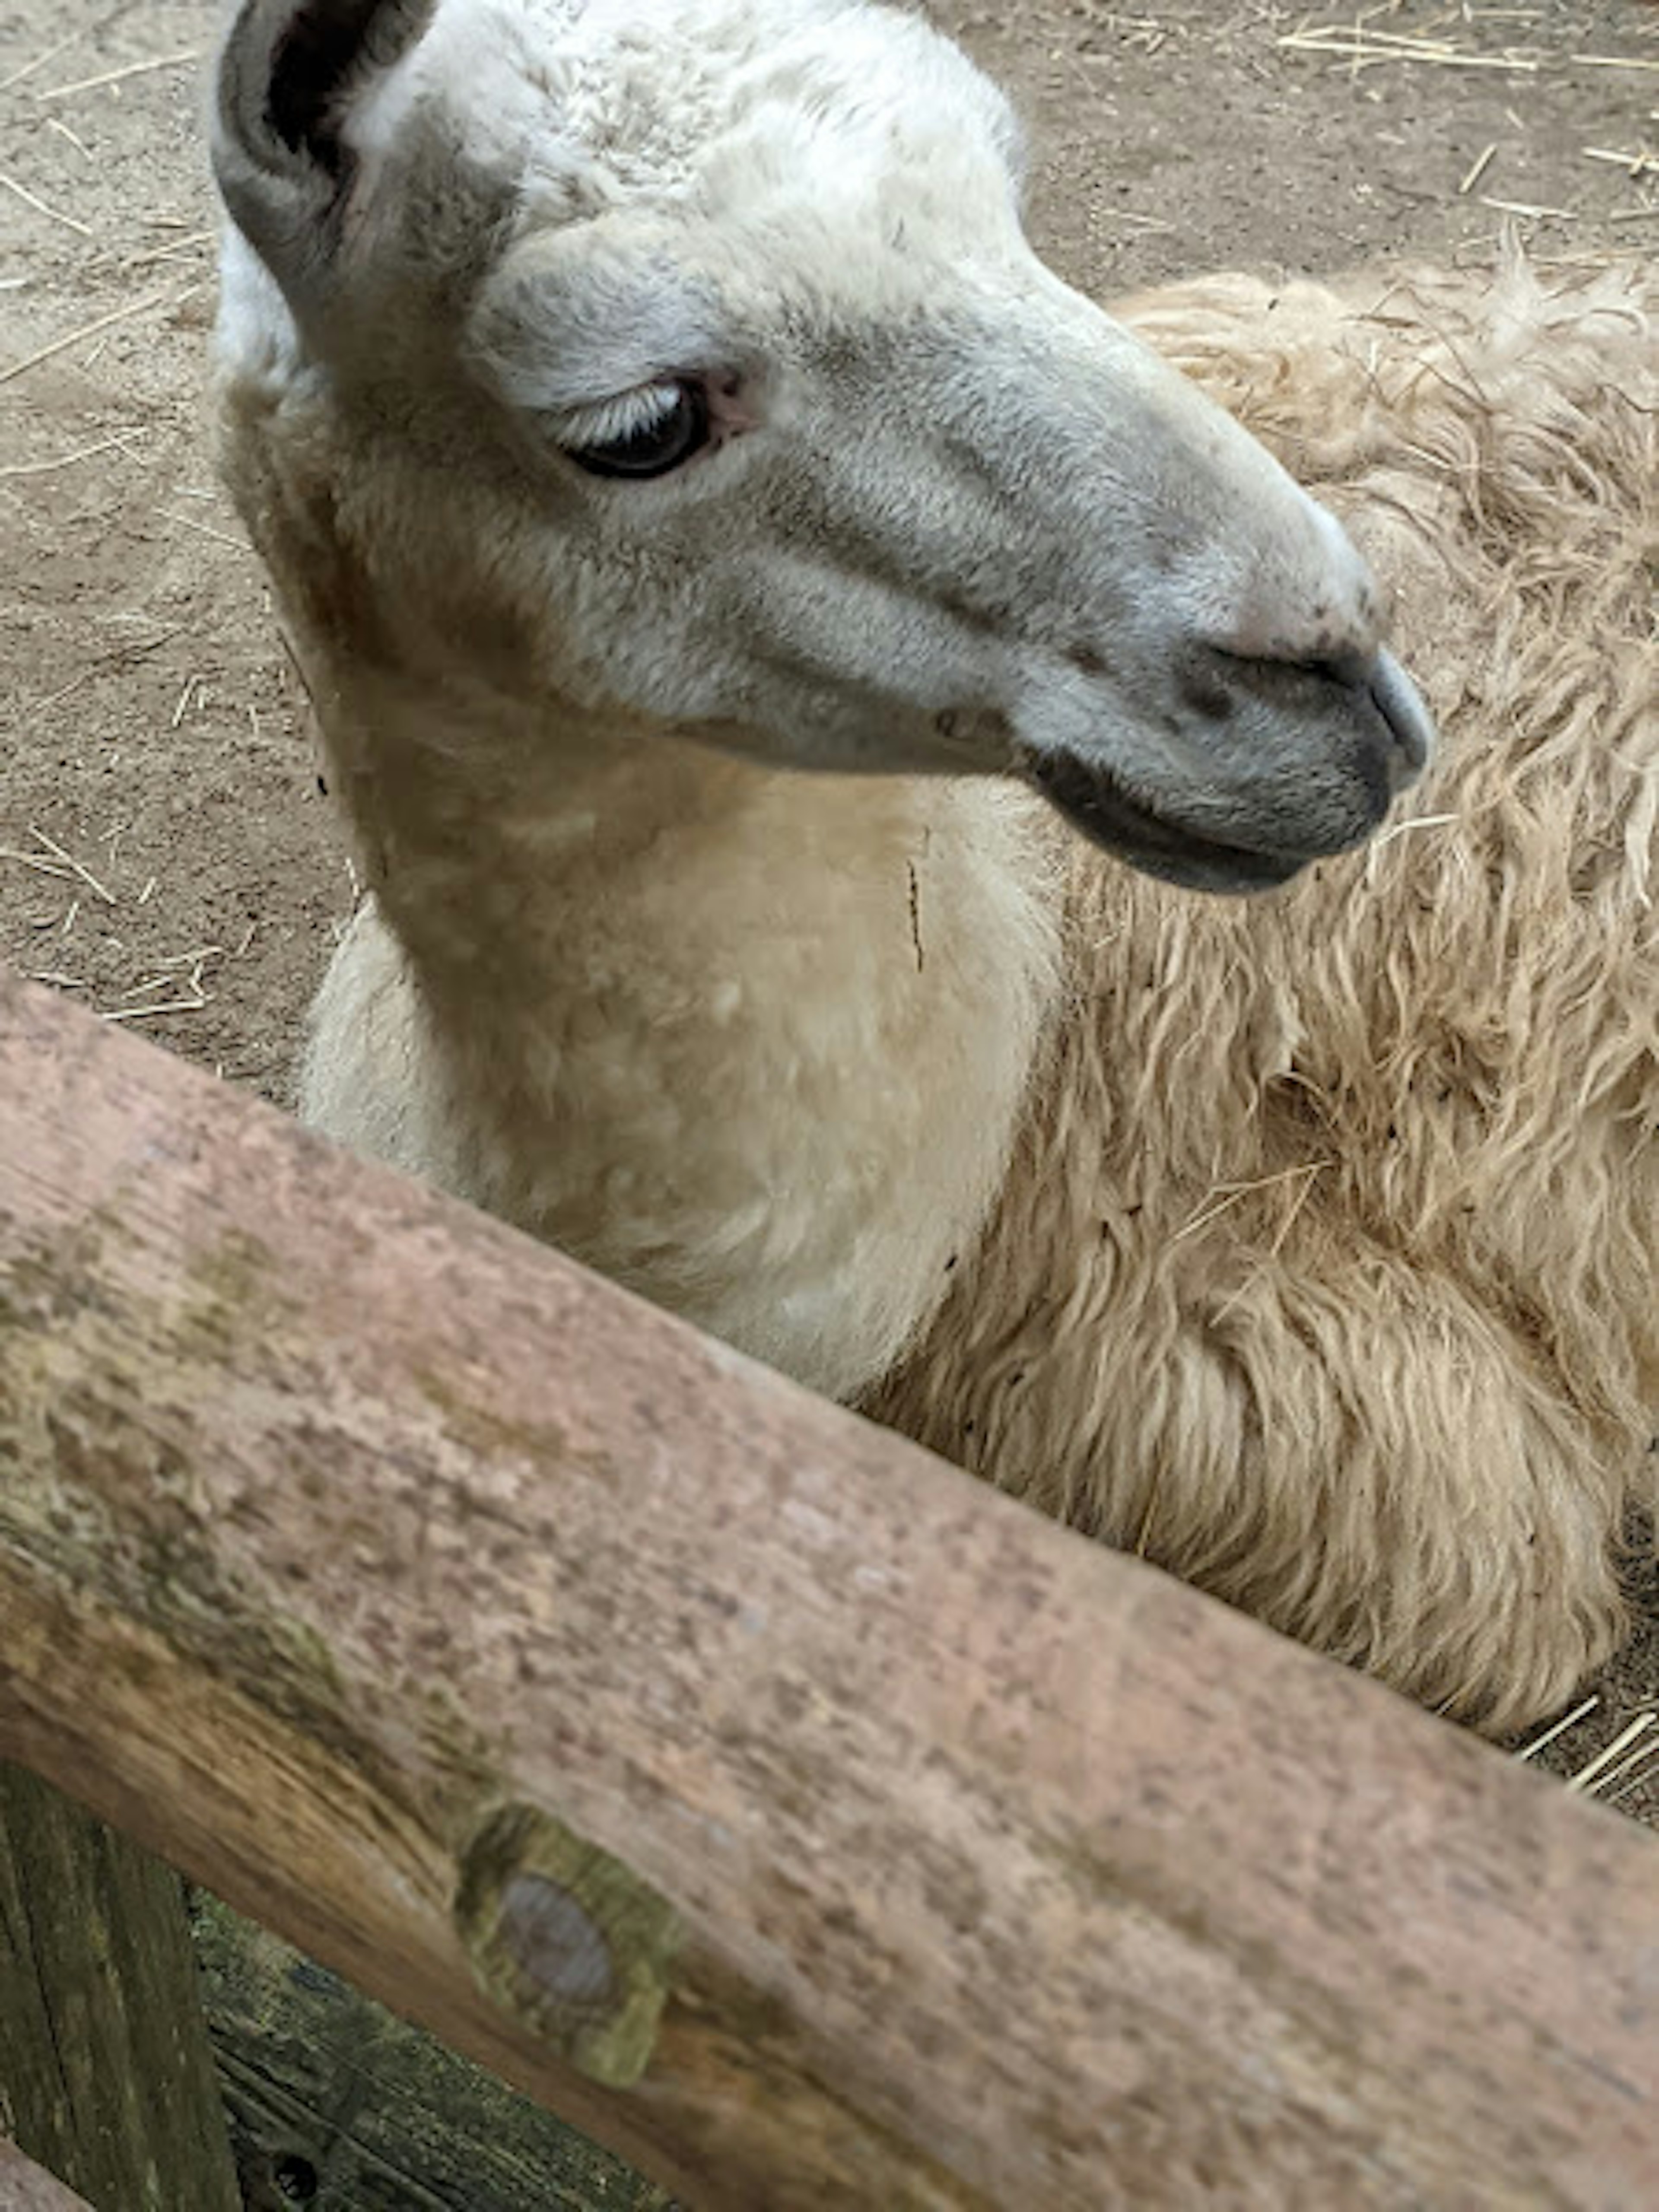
[570, 1940]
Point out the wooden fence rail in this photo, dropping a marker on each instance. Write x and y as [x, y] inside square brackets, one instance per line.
[792, 1812]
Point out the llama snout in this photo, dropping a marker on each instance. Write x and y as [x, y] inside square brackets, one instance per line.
[1264, 764]
[1368, 692]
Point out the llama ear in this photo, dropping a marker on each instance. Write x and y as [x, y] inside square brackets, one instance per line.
[292, 76]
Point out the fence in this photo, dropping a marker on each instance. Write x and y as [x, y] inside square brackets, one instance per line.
[789, 1810]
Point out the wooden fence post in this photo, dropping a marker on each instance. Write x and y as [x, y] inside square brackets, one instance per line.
[106, 2075]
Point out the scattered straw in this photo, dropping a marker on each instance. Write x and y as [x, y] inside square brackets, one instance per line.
[1374, 851]
[205, 530]
[1613, 61]
[190, 993]
[161, 1006]
[117, 444]
[1580, 1782]
[41, 866]
[1227, 1195]
[1638, 1771]
[1412, 822]
[1281, 1237]
[65, 690]
[1482, 162]
[57, 123]
[118, 657]
[1526, 208]
[120, 76]
[1633, 165]
[91, 329]
[1364, 46]
[54, 215]
[1628, 1772]
[39, 62]
[1560, 1728]
[54, 851]
[192, 959]
[171, 250]
[183, 706]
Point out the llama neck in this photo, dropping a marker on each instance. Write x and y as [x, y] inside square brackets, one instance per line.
[754, 1042]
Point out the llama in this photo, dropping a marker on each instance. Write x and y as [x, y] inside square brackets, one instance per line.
[755, 612]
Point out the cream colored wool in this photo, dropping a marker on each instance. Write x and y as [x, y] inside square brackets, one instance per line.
[1325, 1271]
[1306, 1241]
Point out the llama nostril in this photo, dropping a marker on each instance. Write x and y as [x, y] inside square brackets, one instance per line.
[1378, 677]
[1372, 684]
[1206, 695]
[1347, 668]
[1400, 703]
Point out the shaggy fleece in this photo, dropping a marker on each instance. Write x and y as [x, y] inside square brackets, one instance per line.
[1324, 1274]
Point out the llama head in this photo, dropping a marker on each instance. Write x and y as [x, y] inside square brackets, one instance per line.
[694, 349]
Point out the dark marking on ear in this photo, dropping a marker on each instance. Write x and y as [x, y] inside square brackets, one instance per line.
[325, 43]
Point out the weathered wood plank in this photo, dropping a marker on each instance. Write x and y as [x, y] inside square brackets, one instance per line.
[538, 1664]
[106, 2075]
[26, 2187]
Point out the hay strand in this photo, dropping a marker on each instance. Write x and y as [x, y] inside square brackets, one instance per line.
[90, 329]
[1558, 1729]
[55, 214]
[1635, 165]
[1363, 46]
[54, 851]
[120, 76]
[1614, 62]
[1478, 168]
[115, 444]
[40, 60]
[1580, 1782]
[205, 530]
[1531, 211]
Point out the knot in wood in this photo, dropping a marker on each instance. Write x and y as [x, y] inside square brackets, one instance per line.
[557, 1944]
[569, 1939]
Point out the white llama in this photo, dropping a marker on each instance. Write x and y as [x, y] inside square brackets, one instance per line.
[640, 403]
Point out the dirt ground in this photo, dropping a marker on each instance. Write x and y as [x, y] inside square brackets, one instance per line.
[165, 852]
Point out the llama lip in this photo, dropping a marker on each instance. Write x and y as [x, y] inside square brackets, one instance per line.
[1092, 801]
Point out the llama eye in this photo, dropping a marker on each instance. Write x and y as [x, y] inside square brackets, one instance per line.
[662, 444]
